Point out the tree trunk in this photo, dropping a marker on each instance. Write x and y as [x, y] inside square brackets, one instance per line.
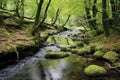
[88, 14]
[39, 8]
[105, 18]
[57, 15]
[94, 11]
[66, 20]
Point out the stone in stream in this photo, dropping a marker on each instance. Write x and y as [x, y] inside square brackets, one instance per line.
[56, 54]
[95, 70]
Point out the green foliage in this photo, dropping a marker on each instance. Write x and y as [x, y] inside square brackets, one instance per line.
[95, 70]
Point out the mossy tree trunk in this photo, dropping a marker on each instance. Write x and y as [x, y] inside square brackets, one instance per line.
[38, 25]
[39, 8]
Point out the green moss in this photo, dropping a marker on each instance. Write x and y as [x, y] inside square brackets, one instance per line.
[95, 70]
[100, 48]
[56, 54]
[9, 49]
[79, 44]
[92, 48]
[99, 54]
[111, 56]
[117, 65]
[81, 51]
[6, 33]
[65, 49]
[60, 40]
[116, 48]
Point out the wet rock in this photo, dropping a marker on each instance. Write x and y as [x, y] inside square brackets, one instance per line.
[95, 70]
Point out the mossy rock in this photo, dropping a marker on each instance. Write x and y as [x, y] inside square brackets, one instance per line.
[117, 65]
[65, 49]
[81, 51]
[111, 56]
[56, 54]
[95, 70]
[100, 48]
[116, 48]
[92, 48]
[79, 44]
[99, 54]
[73, 46]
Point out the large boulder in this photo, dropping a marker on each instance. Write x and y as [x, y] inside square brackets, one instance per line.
[95, 70]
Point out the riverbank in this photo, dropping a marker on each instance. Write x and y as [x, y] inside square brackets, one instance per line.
[81, 63]
[17, 42]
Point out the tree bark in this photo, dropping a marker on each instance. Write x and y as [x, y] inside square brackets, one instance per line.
[88, 15]
[39, 8]
[57, 15]
[105, 19]
[66, 20]
[94, 11]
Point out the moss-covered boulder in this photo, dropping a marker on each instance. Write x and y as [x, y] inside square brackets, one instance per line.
[81, 51]
[98, 54]
[56, 54]
[100, 48]
[95, 70]
[111, 56]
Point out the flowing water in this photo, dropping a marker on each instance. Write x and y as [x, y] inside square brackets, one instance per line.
[37, 67]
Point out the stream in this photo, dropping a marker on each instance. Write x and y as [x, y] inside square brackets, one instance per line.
[37, 67]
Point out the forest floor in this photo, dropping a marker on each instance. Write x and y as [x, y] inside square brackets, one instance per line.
[11, 38]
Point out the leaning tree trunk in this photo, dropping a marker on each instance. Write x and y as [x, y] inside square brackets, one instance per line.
[38, 26]
[105, 19]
